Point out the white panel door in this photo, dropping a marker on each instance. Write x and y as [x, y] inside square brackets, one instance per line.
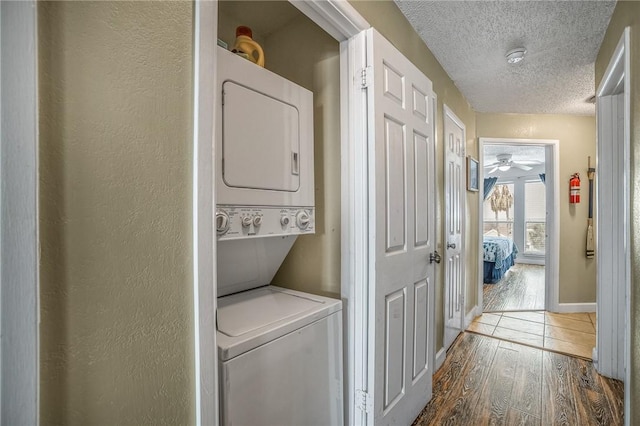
[402, 229]
[454, 181]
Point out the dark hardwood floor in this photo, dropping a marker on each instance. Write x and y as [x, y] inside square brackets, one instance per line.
[489, 381]
[521, 289]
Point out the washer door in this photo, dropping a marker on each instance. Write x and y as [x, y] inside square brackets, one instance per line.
[260, 140]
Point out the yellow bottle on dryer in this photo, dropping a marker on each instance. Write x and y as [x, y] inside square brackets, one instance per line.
[246, 47]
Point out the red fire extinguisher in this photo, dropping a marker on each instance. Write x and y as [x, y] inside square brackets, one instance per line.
[574, 188]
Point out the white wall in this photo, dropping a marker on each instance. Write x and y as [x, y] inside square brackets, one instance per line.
[18, 230]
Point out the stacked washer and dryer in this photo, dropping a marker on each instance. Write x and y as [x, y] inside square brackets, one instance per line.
[279, 350]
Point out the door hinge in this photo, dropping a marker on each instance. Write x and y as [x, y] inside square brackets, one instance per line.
[366, 75]
[363, 401]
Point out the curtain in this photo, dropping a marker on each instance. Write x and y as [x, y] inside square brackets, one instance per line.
[542, 175]
[489, 183]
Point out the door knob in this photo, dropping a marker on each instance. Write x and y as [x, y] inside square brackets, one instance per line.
[451, 245]
[434, 257]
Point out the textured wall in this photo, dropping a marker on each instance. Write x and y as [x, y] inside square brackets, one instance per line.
[577, 136]
[389, 21]
[627, 13]
[115, 213]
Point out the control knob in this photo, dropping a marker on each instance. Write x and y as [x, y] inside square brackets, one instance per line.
[257, 220]
[303, 219]
[222, 222]
[246, 221]
[284, 220]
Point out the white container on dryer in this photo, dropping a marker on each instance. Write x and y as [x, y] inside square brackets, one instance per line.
[264, 136]
[280, 358]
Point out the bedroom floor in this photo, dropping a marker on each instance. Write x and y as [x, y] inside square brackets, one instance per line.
[489, 381]
[521, 289]
[571, 334]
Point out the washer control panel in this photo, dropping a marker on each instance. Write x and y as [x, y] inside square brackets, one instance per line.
[235, 222]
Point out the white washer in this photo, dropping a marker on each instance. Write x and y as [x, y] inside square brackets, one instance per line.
[280, 358]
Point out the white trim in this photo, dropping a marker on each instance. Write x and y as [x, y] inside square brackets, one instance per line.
[566, 308]
[337, 17]
[441, 356]
[627, 155]
[609, 299]
[480, 284]
[354, 224]
[19, 228]
[448, 112]
[204, 241]
[552, 255]
[530, 260]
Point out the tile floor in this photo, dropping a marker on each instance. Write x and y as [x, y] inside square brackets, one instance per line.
[571, 334]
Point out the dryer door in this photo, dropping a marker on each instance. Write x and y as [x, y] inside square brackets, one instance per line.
[260, 140]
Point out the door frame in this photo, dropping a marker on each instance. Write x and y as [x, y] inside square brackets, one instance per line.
[609, 361]
[19, 230]
[552, 255]
[463, 246]
[345, 24]
[205, 32]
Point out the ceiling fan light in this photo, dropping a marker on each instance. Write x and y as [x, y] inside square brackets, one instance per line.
[504, 168]
[516, 55]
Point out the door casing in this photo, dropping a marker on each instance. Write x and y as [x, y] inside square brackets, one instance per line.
[449, 336]
[552, 255]
[613, 305]
[19, 230]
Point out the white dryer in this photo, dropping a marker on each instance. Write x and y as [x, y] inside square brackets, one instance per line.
[279, 350]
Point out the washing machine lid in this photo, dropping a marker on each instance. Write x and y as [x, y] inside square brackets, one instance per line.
[252, 318]
[242, 313]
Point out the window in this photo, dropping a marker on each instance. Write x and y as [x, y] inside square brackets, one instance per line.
[498, 211]
[534, 218]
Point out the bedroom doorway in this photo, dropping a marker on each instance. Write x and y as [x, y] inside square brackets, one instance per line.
[518, 217]
[513, 227]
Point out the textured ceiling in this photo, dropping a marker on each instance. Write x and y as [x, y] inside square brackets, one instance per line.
[471, 38]
[518, 152]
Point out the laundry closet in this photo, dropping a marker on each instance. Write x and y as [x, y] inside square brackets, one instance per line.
[279, 319]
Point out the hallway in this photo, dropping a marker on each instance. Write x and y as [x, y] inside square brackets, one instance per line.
[568, 333]
[490, 381]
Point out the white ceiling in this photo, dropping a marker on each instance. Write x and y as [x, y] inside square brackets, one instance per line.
[471, 38]
[518, 153]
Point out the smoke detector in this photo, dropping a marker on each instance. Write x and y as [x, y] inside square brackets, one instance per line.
[516, 55]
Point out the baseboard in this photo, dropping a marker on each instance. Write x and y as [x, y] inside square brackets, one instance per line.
[441, 355]
[530, 260]
[567, 308]
[474, 312]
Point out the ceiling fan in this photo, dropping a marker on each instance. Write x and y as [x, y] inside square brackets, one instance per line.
[505, 162]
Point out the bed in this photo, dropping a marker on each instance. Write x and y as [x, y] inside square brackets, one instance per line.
[499, 255]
